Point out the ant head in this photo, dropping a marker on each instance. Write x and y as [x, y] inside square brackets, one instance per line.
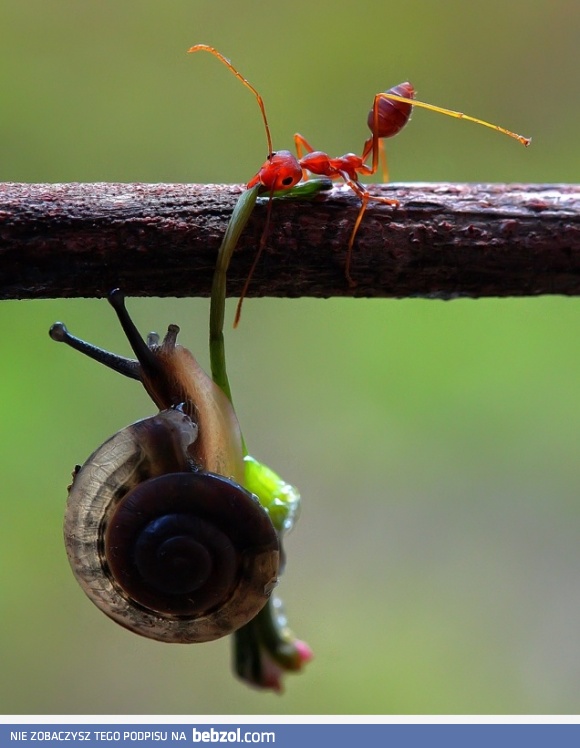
[280, 171]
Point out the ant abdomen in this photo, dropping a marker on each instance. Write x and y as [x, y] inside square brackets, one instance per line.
[391, 116]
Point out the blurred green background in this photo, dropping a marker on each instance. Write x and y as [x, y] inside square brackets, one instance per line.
[436, 564]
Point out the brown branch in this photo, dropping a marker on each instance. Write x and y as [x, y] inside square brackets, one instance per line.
[445, 240]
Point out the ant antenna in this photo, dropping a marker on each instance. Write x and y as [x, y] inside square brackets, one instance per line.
[240, 77]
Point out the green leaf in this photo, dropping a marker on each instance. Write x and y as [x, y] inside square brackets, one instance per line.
[280, 499]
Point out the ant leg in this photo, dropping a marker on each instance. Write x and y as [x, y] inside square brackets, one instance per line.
[301, 143]
[383, 158]
[374, 144]
[365, 196]
[367, 148]
[261, 246]
[451, 113]
[363, 193]
[349, 279]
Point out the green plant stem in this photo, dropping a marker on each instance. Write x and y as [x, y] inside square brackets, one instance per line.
[239, 219]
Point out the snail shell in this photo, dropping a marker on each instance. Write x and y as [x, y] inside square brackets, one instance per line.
[171, 554]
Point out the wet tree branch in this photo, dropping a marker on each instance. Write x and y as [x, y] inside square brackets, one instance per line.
[445, 240]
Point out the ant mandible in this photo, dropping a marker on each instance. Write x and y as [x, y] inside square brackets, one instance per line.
[390, 113]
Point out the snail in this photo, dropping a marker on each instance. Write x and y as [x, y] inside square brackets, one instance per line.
[159, 531]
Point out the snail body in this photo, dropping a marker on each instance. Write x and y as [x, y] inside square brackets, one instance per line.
[158, 530]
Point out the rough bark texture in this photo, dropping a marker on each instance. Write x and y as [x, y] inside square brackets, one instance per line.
[444, 241]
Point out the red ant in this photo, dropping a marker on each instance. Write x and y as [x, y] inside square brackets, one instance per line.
[282, 170]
